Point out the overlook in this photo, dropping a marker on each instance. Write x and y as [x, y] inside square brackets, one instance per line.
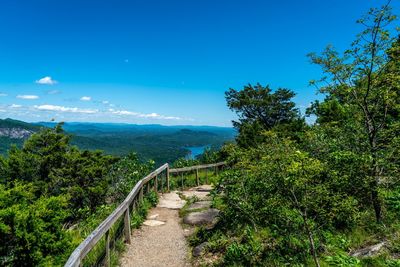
[198, 133]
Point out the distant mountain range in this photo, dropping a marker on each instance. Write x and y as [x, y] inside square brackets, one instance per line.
[157, 142]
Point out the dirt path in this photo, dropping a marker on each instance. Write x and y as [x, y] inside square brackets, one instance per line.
[163, 243]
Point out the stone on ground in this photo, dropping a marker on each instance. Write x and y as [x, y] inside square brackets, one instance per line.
[199, 250]
[171, 201]
[200, 192]
[153, 223]
[202, 217]
[368, 251]
[153, 217]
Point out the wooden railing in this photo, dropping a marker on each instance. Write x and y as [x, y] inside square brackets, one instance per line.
[131, 202]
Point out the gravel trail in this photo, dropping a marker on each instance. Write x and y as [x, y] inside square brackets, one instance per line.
[160, 245]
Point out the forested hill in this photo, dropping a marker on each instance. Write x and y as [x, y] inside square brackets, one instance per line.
[157, 142]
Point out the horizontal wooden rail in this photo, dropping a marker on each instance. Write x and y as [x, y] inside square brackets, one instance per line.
[197, 167]
[122, 211]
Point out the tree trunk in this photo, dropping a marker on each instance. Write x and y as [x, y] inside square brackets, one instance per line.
[311, 239]
[374, 183]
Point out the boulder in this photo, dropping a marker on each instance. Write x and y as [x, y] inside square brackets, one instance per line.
[202, 217]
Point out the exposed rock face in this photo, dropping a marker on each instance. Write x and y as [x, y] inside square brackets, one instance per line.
[16, 133]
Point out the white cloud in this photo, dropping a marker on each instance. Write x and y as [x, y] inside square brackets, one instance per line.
[28, 97]
[123, 112]
[53, 92]
[105, 102]
[15, 106]
[86, 98]
[3, 94]
[142, 115]
[65, 109]
[46, 80]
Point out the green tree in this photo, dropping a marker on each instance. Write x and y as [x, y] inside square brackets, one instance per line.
[31, 229]
[367, 76]
[260, 109]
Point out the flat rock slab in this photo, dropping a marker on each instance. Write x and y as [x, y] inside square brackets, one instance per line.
[368, 251]
[171, 201]
[204, 188]
[201, 192]
[152, 223]
[202, 217]
[200, 205]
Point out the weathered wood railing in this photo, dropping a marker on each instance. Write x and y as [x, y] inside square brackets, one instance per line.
[123, 209]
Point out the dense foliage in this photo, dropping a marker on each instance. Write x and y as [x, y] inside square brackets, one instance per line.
[52, 195]
[309, 195]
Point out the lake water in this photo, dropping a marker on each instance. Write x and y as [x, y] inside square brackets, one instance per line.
[194, 151]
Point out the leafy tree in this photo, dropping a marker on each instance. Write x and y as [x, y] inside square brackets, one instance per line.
[287, 193]
[367, 76]
[124, 175]
[31, 228]
[260, 109]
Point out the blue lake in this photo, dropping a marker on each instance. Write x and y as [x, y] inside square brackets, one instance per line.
[194, 151]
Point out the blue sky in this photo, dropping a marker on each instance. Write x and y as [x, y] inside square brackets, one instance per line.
[166, 62]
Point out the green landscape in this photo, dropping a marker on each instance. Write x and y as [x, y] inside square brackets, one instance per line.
[151, 142]
[314, 186]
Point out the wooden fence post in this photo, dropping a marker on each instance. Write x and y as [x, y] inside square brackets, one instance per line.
[141, 195]
[162, 183]
[127, 226]
[206, 175]
[167, 174]
[197, 177]
[156, 184]
[108, 255]
[182, 180]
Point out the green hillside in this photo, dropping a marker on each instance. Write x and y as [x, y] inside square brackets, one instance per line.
[159, 143]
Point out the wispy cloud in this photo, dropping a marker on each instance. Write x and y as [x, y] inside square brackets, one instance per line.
[46, 80]
[123, 112]
[65, 109]
[143, 115]
[3, 94]
[28, 97]
[15, 106]
[53, 92]
[86, 98]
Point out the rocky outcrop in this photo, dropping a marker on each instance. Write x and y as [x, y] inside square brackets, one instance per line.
[15, 133]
